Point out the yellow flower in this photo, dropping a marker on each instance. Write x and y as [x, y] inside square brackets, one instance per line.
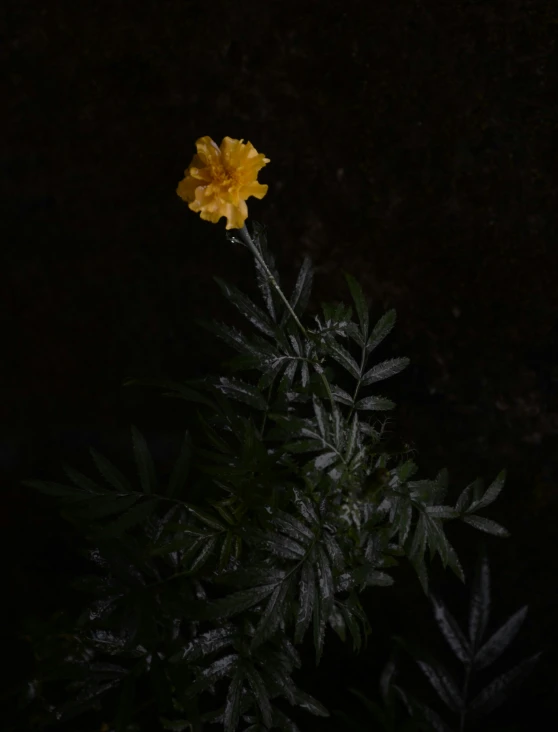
[219, 180]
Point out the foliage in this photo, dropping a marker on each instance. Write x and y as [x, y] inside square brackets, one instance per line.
[281, 512]
[403, 711]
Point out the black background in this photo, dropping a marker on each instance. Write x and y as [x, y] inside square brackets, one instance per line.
[412, 144]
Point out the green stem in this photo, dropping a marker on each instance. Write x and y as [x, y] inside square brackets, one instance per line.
[252, 247]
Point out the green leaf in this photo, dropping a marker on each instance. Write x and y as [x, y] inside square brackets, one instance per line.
[110, 473]
[451, 630]
[486, 525]
[273, 614]
[493, 695]
[310, 704]
[491, 494]
[442, 512]
[144, 462]
[57, 489]
[134, 516]
[234, 695]
[181, 468]
[323, 604]
[246, 307]
[375, 403]
[282, 546]
[321, 418]
[86, 484]
[465, 496]
[342, 356]
[502, 638]
[341, 396]
[241, 391]
[480, 601]
[306, 600]
[217, 670]
[384, 370]
[360, 304]
[381, 330]
[236, 603]
[204, 645]
[208, 519]
[204, 555]
[101, 506]
[293, 527]
[301, 293]
[260, 694]
[442, 683]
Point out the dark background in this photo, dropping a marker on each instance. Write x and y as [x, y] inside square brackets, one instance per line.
[412, 144]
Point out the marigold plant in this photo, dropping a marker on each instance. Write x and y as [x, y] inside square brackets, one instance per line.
[284, 505]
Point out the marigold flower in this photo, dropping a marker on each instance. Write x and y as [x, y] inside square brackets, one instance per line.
[219, 180]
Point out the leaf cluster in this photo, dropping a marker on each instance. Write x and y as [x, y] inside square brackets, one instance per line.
[285, 507]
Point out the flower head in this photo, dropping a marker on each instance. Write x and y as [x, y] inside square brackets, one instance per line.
[219, 180]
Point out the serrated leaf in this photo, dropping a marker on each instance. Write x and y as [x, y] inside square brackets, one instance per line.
[360, 304]
[341, 396]
[282, 546]
[500, 640]
[247, 308]
[442, 683]
[325, 460]
[306, 600]
[57, 489]
[451, 630]
[342, 356]
[464, 498]
[203, 556]
[205, 644]
[144, 462]
[309, 703]
[292, 526]
[384, 370]
[321, 417]
[381, 330]
[301, 293]
[226, 607]
[480, 601]
[272, 616]
[102, 506]
[81, 481]
[260, 694]
[375, 403]
[208, 519]
[486, 525]
[134, 516]
[110, 473]
[442, 512]
[241, 391]
[334, 551]
[491, 493]
[404, 524]
[423, 711]
[217, 670]
[234, 695]
[493, 695]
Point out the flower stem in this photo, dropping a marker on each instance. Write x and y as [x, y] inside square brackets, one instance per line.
[252, 247]
[250, 244]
